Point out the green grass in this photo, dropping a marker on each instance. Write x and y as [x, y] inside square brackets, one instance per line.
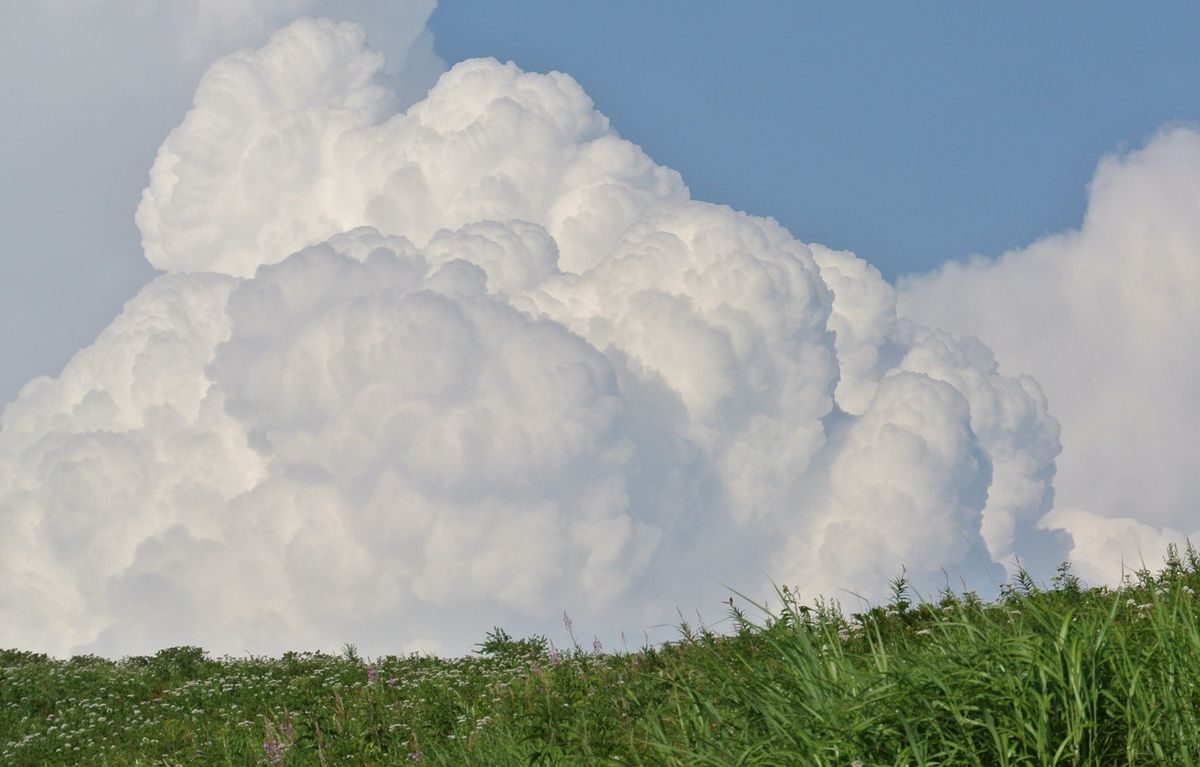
[1059, 674]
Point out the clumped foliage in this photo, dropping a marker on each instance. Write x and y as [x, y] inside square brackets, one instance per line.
[1045, 675]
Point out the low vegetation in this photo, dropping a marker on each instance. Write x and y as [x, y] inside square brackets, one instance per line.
[1044, 675]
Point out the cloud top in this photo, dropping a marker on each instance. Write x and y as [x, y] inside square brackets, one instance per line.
[297, 141]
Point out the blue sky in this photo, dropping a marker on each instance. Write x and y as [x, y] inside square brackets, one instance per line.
[909, 133]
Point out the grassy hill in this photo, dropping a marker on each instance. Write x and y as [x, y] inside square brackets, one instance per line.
[1053, 674]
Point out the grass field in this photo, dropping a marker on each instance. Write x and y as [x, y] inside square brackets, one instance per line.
[1050, 674]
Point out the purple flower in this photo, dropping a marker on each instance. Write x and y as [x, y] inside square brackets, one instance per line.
[372, 674]
[273, 751]
[392, 681]
[414, 756]
[596, 646]
[555, 657]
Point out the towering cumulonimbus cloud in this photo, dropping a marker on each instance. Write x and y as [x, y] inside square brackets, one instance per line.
[1106, 319]
[412, 374]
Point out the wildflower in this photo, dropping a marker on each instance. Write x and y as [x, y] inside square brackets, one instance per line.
[392, 681]
[415, 755]
[555, 657]
[372, 674]
[597, 648]
[273, 751]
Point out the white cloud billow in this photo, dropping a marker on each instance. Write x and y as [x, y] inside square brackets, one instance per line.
[1106, 318]
[413, 374]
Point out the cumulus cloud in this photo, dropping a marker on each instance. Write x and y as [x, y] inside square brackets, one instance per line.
[1105, 318]
[411, 374]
